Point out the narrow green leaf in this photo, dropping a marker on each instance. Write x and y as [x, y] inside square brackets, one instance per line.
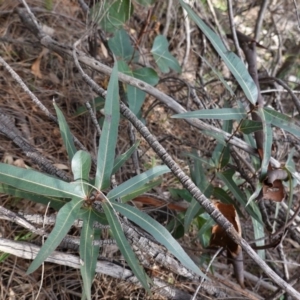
[219, 75]
[218, 136]
[259, 233]
[125, 247]
[100, 217]
[64, 220]
[36, 182]
[248, 138]
[159, 233]
[97, 104]
[196, 169]
[290, 164]
[81, 166]
[267, 143]
[225, 157]
[108, 139]
[215, 113]
[121, 159]
[143, 189]
[194, 207]
[204, 233]
[178, 194]
[282, 121]
[65, 132]
[206, 161]
[120, 45]
[249, 126]
[232, 61]
[55, 203]
[221, 153]
[136, 182]
[199, 178]
[88, 252]
[221, 195]
[163, 58]
[145, 2]
[258, 188]
[226, 177]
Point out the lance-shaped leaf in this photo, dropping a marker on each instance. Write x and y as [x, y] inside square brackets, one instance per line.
[220, 76]
[250, 126]
[205, 223]
[121, 159]
[55, 203]
[194, 207]
[215, 113]
[226, 177]
[136, 182]
[282, 121]
[254, 159]
[206, 161]
[259, 234]
[267, 142]
[221, 195]
[163, 58]
[145, 2]
[88, 252]
[65, 132]
[97, 104]
[38, 183]
[232, 61]
[199, 178]
[143, 189]
[160, 233]
[64, 220]
[125, 247]
[81, 166]
[108, 139]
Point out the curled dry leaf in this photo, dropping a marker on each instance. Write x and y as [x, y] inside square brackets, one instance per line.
[273, 188]
[35, 67]
[219, 238]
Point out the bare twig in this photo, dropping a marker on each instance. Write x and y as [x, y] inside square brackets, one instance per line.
[260, 18]
[290, 91]
[168, 17]
[232, 26]
[297, 13]
[187, 37]
[18, 79]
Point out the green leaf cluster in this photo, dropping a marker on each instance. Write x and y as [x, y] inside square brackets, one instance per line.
[73, 200]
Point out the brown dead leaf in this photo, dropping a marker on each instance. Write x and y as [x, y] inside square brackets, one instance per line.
[273, 188]
[35, 67]
[219, 237]
[20, 163]
[274, 191]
